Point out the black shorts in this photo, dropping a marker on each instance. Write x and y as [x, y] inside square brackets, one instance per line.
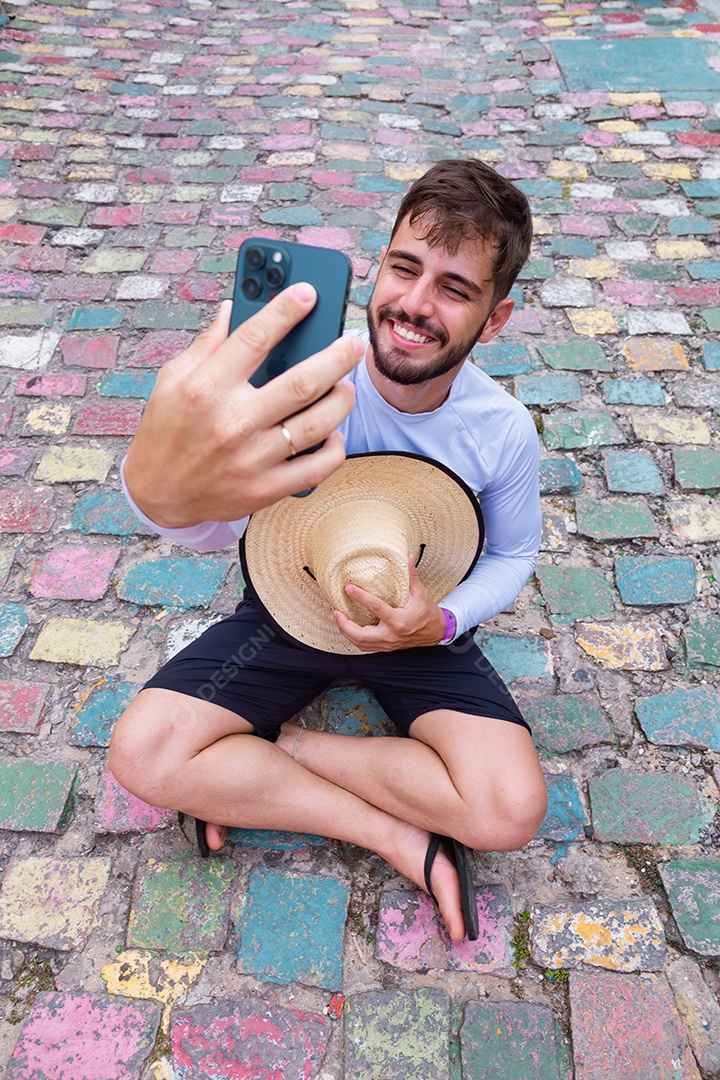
[245, 664]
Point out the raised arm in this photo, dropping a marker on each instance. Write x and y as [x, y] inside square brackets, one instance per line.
[210, 446]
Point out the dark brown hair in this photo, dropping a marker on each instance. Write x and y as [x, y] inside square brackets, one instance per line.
[463, 199]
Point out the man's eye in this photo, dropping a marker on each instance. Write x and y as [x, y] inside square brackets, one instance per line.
[456, 292]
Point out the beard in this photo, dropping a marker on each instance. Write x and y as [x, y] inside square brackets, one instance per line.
[395, 364]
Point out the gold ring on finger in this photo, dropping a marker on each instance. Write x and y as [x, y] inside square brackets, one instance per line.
[288, 440]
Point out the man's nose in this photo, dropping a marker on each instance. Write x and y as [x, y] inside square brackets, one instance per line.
[418, 299]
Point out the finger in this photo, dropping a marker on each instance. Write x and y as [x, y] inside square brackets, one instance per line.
[371, 603]
[302, 473]
[243, 352]
[369, 637]
[204, 344]
[313, 425]
[305, 383]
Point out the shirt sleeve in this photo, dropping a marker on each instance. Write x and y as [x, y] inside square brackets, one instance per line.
[513, 520]
[205, 536]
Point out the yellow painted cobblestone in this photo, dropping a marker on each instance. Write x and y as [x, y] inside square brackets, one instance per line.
[88, 642]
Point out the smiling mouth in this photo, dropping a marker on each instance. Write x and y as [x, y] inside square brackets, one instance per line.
[410, 335]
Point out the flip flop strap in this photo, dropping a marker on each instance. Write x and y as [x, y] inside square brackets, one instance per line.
[433, 848]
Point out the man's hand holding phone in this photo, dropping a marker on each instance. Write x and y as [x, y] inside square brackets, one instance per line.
[211, 446]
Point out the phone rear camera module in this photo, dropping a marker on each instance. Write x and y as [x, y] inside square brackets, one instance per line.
[251, 288]
[274, 277]
[254, 258]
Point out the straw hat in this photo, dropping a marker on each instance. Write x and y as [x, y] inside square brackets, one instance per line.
[359, 526]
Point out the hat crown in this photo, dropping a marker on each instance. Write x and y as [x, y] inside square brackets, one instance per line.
[367, 543]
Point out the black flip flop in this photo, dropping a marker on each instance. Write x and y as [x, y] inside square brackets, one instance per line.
[458, 855]
[200, 836]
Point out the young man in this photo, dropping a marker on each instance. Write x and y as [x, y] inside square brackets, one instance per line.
[469, 769]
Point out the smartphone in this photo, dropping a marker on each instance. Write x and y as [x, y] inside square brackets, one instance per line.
[265, 268]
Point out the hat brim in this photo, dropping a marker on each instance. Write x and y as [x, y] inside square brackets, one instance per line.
[445, 511]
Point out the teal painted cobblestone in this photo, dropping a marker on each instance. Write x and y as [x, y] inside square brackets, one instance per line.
[108, 513]
[653, 808]
[504, 358]
[98, 713]
[291, 929]
[564, 723]
[693, 889]
[633, 392]
[559, 476]
[14, 622]
[513, 1041]
[575, 354]
[565, 817]
[516, 658]
[689, 717]
[547, 389]
[398, 1034]
[174, 583]
[632, 472]
[648, 579]
[576, 592]
[35, 797]
[702, 641]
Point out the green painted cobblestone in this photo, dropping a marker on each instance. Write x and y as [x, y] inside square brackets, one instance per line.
[397, 1034]
[36, 797]
[181, 905]
[696, 468]
[575, 592]
[565, 723]
[693, 889]
[615, 519]
[513, 1041]
[702, 641]
[565, 430]
[653, 808]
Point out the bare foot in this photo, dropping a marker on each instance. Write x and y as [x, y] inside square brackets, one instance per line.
[409, 859]
[216, 835]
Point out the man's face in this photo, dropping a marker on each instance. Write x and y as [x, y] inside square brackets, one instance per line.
[429, 308]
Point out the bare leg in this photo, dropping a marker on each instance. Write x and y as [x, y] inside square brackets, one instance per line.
[194, 756]
[477, 778]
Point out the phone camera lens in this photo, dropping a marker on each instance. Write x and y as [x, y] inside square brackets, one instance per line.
[274, 276]
[254, 258]
[251, 288]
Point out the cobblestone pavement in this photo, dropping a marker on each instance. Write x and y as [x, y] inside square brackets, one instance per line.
[139, 144]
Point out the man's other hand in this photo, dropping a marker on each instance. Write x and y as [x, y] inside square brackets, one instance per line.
[210, 446]
[419, 622]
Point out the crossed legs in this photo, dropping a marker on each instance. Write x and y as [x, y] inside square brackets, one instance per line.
[474, 778]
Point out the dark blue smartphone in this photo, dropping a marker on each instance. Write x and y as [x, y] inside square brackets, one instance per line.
[265, 268]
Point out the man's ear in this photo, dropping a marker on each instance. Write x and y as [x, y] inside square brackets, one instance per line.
[496, 320]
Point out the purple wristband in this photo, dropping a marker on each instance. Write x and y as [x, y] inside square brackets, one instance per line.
[450, 626]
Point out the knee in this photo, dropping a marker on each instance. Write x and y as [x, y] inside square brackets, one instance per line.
[138, 765]
[511, 819]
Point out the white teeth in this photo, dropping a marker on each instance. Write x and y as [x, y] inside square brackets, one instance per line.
[410, 335]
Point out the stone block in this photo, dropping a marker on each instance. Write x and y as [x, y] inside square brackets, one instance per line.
[694, 518]
[13, 624]
[699, 1010]
[592, 322]
[575, 355]
[71, 464]
[90, 350]
[398, 1034]
[655, 354]
[632, 472]
[567, 292]
[47, 418]
[633, 392]
[565, 817]
[701, 394]
[693, 889]
[52, 386]
[502, 358]
[16, 460]
[291, 929]
[547, 389]
[127, 384]
[90, 642]
[98, 711]
[647, 808]
[575, 592]
[652, 579]
[627, 1026]
[354, 710]
[107, 513]
[82, 1036]
[696, 468]
[181, 905]
[513, 1041]
[615, 519]
[563, 723]
[702, 641]
[412, 936]
[618, 935]
[107, 418]
[660, 428]
[559, 476]
[657, 322]
[554, 536]
[517, 658]
[73, 572]
[173, 583]
[118, 811]
[36, 797]
[26, 509]
[247, 1037]
[566, 430]
[632, 647]
[711, 355]
[52, 902]
[158, 347]
[21, 706]
[689, 717]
